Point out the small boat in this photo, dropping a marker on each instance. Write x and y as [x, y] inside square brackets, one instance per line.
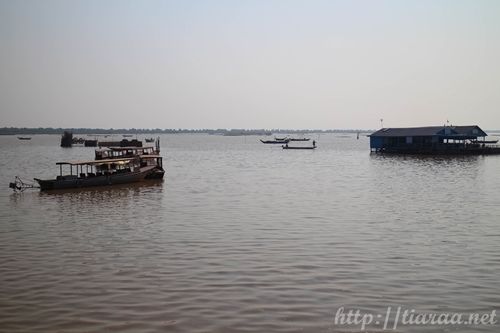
[105, 173]
[298, 147]
[280, 139]
[24, 138]
[275, 141]
[128, 135]
[150, 140]
[300, 139]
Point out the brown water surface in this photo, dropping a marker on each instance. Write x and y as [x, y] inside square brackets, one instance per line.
[246, 237]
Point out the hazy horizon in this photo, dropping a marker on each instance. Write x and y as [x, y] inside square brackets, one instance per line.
[249, 64]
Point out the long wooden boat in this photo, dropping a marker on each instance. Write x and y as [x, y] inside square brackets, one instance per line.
[104, 172]
[275, 141]
[24, 138]
[297, 147]
[300, 139]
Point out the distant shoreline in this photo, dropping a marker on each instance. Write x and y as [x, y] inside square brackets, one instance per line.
[226, 132]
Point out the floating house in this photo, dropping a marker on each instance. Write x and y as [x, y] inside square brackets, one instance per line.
[433, 140]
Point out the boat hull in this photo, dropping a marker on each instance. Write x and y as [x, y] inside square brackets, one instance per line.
[274, 141]
[303, 148]
[70, 182]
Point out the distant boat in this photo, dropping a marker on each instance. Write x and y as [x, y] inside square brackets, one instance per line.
[128, 135]
[275, 141]
[150, 140]
[281, 139]
[24, 138]
[298, 147]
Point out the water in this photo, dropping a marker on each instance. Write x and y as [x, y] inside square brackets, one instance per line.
[246, 237]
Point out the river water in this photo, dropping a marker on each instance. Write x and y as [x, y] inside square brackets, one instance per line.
[247, 237]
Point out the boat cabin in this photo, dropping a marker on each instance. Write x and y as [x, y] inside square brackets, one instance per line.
[89, 169]
[124, 152]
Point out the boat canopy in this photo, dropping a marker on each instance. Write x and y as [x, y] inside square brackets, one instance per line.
[100, 162]
[130, 148]
[150, 156]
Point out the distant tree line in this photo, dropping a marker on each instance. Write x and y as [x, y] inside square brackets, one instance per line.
[220, 131]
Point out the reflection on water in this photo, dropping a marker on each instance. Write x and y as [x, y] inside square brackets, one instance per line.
[245, 237]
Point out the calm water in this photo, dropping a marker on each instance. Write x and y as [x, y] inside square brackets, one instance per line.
[246, 237]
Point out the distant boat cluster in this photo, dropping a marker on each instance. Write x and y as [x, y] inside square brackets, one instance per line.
[286, 140]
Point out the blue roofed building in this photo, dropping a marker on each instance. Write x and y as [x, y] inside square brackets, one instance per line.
[433, 140]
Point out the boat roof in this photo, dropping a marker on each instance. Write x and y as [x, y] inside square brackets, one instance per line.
[151, 156]
[99, 162]
[124, 148]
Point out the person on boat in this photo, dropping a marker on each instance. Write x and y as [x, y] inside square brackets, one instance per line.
[286, 144]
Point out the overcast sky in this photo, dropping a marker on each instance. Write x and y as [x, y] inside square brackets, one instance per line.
[249, 64]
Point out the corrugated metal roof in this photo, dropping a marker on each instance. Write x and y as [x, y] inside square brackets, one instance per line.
[473, 130]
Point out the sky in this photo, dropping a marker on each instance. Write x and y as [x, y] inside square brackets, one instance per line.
[249, 64]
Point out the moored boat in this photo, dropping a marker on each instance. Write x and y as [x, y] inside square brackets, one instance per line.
[24, 138]
[301, 147]
[104, 173]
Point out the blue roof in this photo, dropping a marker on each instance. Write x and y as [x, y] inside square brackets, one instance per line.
[473, 131]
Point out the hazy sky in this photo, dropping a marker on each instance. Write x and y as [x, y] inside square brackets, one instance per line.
[249, 64]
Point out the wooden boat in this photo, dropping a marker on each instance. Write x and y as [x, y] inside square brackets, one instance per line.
[24, 138]
[128, 135]
[280, 139]
[275, 141]
[104, 173]
[149, 140]
[300, 139]
[298, 147]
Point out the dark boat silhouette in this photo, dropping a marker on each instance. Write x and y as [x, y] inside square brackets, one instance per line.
[297, 147]
[275, 141]
[24, 138]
